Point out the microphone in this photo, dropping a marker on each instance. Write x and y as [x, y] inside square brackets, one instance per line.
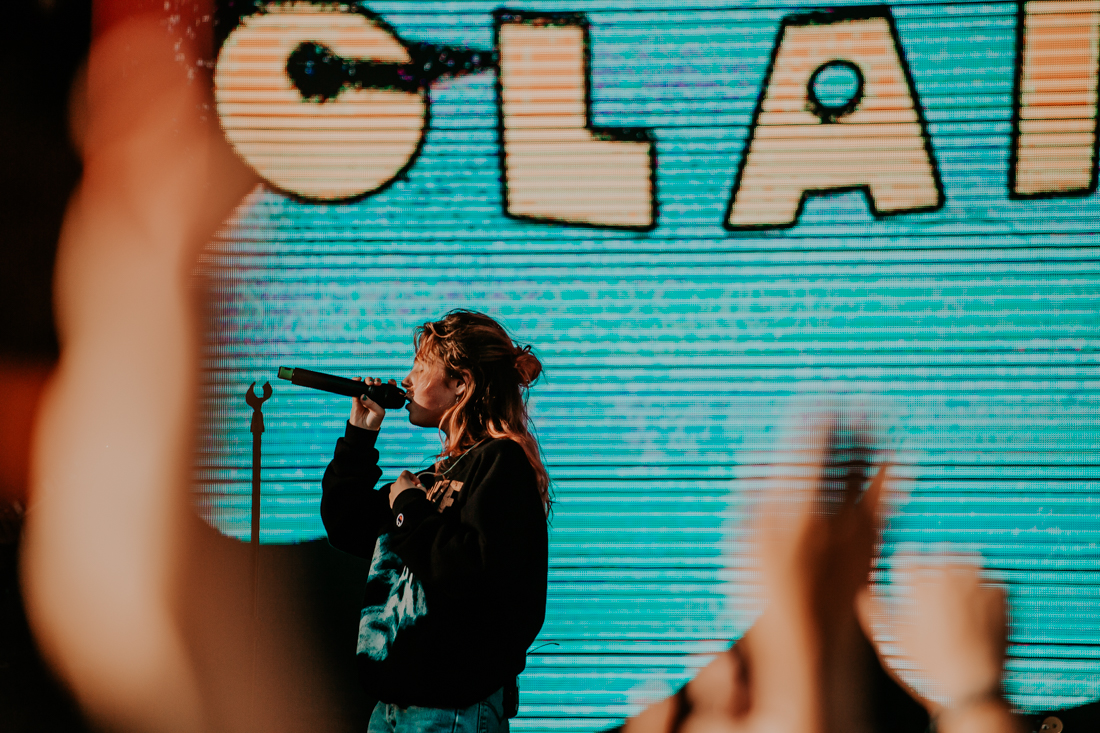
[386, 395]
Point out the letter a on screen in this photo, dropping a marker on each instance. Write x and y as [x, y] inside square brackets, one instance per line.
[556, 166]
[1054, 147]
[838, 112]
[337, 149]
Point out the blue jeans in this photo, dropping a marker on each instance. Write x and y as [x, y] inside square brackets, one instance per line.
[486, 716]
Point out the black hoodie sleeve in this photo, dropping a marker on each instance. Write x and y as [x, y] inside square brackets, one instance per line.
[353, 511]
[497, 535]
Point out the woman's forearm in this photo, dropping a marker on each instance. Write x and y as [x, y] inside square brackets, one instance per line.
[352, 510]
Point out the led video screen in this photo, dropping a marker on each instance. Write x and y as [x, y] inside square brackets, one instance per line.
[704, 219]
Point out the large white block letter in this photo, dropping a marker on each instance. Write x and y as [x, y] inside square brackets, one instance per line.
[1054, 149]
[555, 165]
[808, 137]
[341, 148]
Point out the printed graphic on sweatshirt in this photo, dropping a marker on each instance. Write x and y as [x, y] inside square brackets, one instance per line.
[443, 493]
[404, 602]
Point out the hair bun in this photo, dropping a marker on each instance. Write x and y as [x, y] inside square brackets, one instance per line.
[528, 366]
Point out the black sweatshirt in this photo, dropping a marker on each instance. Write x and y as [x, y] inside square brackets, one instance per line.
[457, 585]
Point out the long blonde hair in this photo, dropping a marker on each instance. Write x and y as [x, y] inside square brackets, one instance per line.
[498, 372]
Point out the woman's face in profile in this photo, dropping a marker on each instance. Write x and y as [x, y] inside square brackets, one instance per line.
[429, 392]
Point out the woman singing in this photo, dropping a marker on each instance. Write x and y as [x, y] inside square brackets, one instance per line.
[457, 585]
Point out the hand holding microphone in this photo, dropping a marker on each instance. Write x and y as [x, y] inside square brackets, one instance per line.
[365, 412]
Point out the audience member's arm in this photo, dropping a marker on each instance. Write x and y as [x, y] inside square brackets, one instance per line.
[719, 692]
[107, 524]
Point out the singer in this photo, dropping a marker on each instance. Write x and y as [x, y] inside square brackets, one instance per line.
[457, 586]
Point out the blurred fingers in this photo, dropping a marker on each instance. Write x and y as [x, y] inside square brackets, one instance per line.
[876, 490]
[790, 491]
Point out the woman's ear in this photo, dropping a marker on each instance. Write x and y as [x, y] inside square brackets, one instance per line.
[462, 382]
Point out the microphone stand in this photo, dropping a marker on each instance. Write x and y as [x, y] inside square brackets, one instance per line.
[257, 430]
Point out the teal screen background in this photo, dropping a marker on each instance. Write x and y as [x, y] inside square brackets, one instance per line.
[674, 358]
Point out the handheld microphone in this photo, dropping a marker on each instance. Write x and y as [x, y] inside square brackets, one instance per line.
[387, 395]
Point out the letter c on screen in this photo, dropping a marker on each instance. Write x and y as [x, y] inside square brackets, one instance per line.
[334, 150]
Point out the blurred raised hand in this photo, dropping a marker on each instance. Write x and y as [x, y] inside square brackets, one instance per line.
[111, 460]
[953, 626]
[802, 667]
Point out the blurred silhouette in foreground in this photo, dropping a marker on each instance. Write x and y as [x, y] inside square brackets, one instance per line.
[143, 612]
